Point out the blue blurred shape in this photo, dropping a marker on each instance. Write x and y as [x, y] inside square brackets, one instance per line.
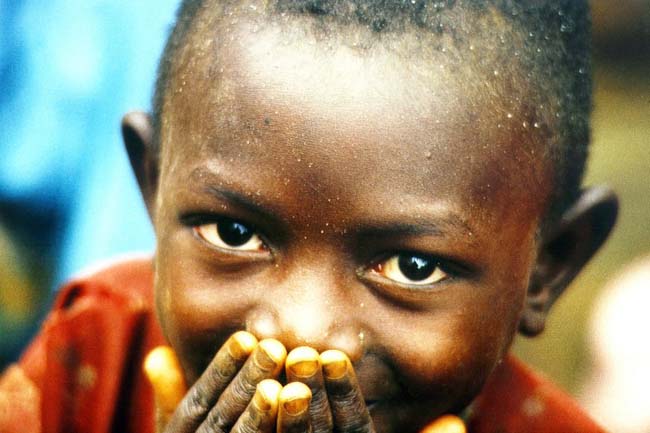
[68, 71]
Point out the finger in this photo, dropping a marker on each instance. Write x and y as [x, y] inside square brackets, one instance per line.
[200, 399]
[164, 372]
[265, 362]
[349, 409]
[260, 414]
[446, 424]
[303, 365]
[293, 409]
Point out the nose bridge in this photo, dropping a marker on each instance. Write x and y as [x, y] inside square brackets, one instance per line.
[309, 309]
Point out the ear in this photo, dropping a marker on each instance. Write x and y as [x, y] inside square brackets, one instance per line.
[581, 231]
[137, 133]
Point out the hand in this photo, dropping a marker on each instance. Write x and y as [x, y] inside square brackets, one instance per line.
[337, 402]
[232, 389]
[237, 391]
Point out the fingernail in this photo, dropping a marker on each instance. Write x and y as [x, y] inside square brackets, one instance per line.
[241, 345]
[295, 398]
[266, 395]
[303, 362]
[272, 354]
[335, 364]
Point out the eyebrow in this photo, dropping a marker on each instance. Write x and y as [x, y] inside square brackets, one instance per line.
[204, 180]
[241, 200]
[404, 225]
[434, 226]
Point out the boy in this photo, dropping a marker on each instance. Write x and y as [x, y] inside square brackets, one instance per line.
[386, 190]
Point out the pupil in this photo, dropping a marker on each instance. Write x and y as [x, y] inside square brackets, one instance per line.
[416, 268]
[233, 233]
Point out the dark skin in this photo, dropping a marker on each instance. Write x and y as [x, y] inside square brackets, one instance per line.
[376, 216]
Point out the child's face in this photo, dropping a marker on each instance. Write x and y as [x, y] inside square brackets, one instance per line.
[393, 216]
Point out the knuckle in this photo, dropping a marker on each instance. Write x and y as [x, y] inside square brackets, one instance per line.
[346, 398]
[319, 402]
[322, 423]
[357, 426]
[196, 404]
[214, 423]
[246, 427]
[243, 390]
[351, 414]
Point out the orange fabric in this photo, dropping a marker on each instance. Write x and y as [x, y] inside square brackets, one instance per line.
[85, 364]
[20, 402]
[516, 399]
[82, 373]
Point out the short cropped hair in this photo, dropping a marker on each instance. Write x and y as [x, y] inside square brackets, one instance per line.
[552, 50]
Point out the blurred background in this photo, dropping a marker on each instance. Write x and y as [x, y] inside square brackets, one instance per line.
[69, 69]
[579, 324]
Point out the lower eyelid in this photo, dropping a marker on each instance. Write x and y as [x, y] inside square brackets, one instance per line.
[390, 268]
[198, 220]
[406, 296]
[230, 256]
[226, 249]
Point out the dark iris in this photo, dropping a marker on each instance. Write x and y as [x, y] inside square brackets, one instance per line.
[233, 233]
[415, 267]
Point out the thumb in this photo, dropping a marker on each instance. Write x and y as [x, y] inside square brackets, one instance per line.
[446, 424]
[164, 372]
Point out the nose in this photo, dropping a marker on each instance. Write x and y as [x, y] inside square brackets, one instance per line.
[309, 311]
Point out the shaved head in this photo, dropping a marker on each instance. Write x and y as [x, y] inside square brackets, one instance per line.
[532, 58]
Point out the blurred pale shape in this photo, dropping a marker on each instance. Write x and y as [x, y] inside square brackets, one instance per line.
[617, 392]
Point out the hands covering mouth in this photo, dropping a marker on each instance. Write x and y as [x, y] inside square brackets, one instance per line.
[239, 392]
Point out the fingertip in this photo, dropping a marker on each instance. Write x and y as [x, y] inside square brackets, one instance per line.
[333, 355]
[274, 350]
[446, 424]
[266, 395]
[303, 362]
[162, 365]
[156, 361]
[242, 344]
[335, 363]
[163, 370]
[294, 398]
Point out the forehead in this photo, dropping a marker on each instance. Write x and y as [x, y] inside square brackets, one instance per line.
[274, 105]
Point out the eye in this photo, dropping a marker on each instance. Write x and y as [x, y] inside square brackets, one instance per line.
[230, 234]
[410, 268]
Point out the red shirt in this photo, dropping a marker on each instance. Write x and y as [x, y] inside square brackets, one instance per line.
[83, 372]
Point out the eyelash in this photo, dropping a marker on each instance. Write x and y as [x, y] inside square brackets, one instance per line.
[227, 253]
[207, 229]
[437, 272]
[215, 232]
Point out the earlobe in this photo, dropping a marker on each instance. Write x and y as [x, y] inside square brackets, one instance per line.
[137, 133]
[581, 231]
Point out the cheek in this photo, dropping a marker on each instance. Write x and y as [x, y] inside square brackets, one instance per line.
[197, 312]
[454, 355]
[450, 353]
[447, 353]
